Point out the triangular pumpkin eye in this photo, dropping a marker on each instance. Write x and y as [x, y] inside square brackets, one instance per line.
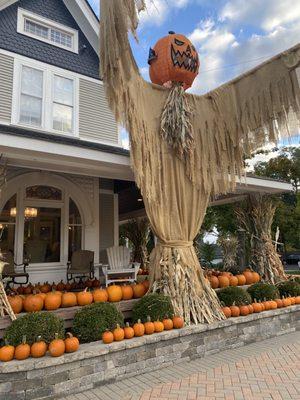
[179, 42]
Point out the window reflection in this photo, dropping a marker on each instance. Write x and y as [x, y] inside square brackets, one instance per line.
[75, 229]
[7, 226]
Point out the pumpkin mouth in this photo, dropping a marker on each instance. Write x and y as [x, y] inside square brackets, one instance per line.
[184, 60]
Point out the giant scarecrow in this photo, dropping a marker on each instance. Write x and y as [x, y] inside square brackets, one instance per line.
[186, 148]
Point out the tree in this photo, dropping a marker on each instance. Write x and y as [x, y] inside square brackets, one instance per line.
[285, 166]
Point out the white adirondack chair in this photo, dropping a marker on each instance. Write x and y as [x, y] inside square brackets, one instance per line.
[119, 268]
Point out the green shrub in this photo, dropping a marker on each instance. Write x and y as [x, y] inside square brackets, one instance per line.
[234, 295]
[296, 279]
[155, 305]
[289, 288]
[91, 321]
[35, 324]
[263, 291]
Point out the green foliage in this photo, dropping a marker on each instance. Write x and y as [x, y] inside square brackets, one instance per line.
[207, 253]
[33, 325]
[91, 321]
[233, 296]
[289, 288]
[297, 279]
[155, 305]
[263, 291]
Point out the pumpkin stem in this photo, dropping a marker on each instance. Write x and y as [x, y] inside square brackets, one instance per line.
[148, 318]
[24, 339]
[39, 338]
[69, 335]
[56, 336]
[127, 325]
[6, 343]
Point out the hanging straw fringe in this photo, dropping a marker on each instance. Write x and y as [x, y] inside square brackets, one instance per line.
[176, 126]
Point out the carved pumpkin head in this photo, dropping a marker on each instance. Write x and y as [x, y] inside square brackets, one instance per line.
[175, 59]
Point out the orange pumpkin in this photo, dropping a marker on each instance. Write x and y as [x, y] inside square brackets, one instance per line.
[39, 348]
[286, 302]
[168, 324]
[235, 311]
[279, 303]
[267, 305]
[28, 289]
[16, 303]
[297, 300]
[178, 322]
[249, 277]
[118, 333]
[256, 277]
[214, 282]
[114, 293]
[139, 329]
[146, 284]
[100, 295]
[223, 281]
[257, 307]
[7, 352]
[293, 301]
[96, 283]
[107, 337]
[22, 351]
[149, 326]
[127, 292]
[226, 312]
[84, 298]
[244, 310]
[263, 308]
[175, 59]
[159, 326]
[53, 301]
[60, 286]
[241, 279]
[42, 295]
[138, 290]
[46, 287]
[250, 307]
[57, 347]
[233, 281]
[33, 303]
[128, 331]
[71, 343]
[273, 305]
[68, 299]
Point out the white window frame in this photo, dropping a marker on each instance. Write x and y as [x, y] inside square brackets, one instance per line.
[47, 23]
[48, 96]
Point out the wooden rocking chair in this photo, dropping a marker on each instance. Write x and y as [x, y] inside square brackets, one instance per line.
[81, 265]
[119, 268]
[9, 270]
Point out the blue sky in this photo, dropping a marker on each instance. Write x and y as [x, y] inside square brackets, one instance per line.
[231, 36]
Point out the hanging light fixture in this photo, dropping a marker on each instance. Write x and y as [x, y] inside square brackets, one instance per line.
[29, 212]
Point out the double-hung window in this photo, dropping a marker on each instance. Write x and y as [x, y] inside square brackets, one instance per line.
[45, 98]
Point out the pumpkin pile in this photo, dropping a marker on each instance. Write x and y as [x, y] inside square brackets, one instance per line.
[257, 307]
[140, 329]
[53, 299]
[223, 279]
[57, 347]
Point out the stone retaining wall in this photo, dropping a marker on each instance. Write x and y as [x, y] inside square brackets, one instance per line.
[96, 364]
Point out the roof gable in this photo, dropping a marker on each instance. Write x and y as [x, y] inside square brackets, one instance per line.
[83, 15]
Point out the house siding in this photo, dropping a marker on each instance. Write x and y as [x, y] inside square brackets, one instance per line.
[86, 62]
[6, 86]
[96, 121]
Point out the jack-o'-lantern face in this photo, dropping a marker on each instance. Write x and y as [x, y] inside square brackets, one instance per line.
[175, 59]
[184, 55]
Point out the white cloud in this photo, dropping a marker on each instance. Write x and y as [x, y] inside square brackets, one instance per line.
[267, 14]
[157, 11]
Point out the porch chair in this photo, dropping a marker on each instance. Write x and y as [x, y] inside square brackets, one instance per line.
[119, 268]
[81, 265]
[9, 270]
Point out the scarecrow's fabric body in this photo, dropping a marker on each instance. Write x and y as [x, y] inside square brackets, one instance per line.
[228, 123]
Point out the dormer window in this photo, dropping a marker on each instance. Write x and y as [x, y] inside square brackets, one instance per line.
[47, 30]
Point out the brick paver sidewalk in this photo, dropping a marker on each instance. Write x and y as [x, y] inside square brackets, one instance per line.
[259, 371]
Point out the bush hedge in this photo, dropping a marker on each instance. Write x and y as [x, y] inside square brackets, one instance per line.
[233, 295]
[289, 288]
[263, 291]
[33, 325]
[155, 305]
[91, 321]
